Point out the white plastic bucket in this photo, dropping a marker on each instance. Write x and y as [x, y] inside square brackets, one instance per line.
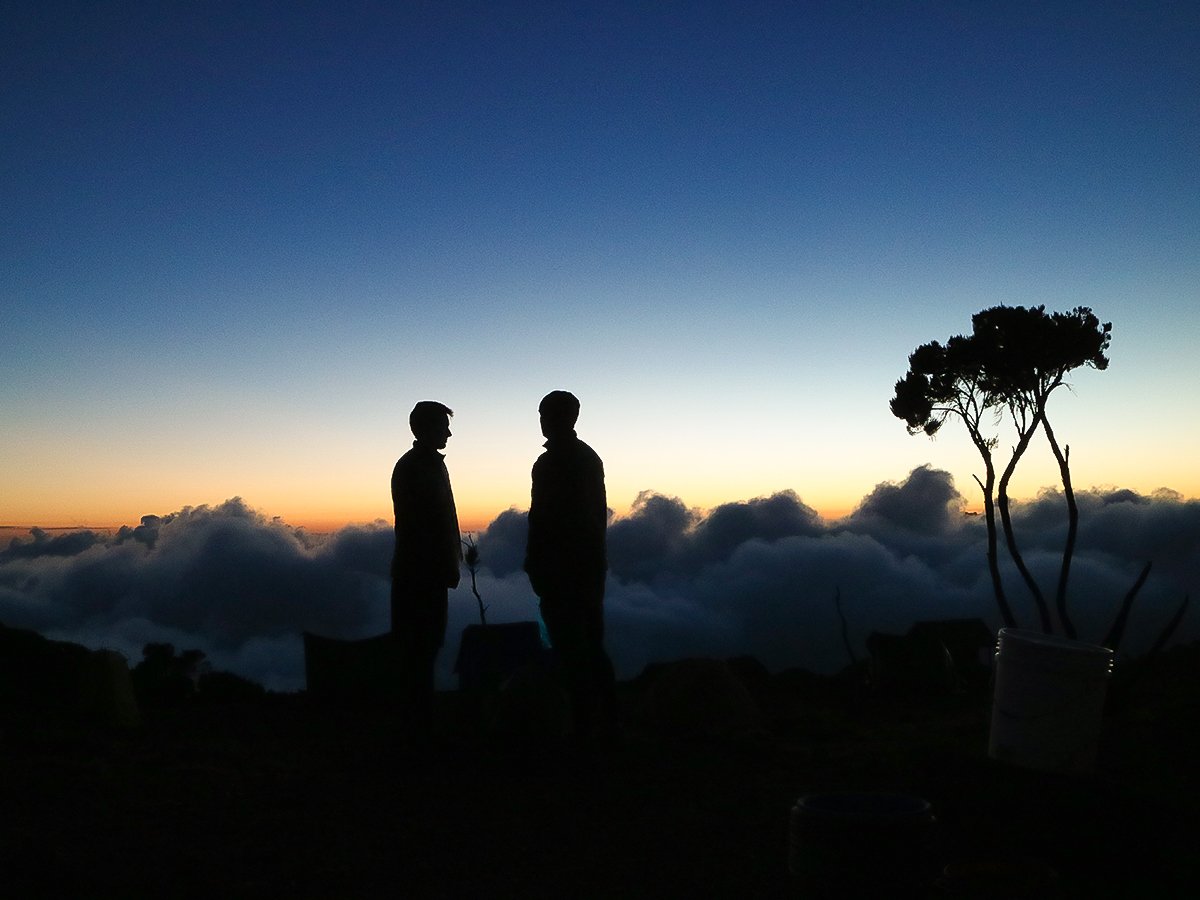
[1048, 700]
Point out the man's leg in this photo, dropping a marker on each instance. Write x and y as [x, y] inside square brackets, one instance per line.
[419, 627]
[601, 675]
[568, 638]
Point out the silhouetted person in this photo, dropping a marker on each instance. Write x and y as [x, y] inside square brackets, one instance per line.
[567, 563]
[425, 564]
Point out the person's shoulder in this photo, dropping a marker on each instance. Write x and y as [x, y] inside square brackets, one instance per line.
[585, 449]
[413, 458]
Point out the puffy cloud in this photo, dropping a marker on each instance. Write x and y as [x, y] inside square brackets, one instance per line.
[926, 502]
[41, 544]
[652, 540]
[757, 577]
[728, 527]
[921, 516]
[218, 579]
[503, 544]
[663, 540]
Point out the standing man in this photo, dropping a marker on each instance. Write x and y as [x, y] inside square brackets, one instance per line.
[567, 563]
[425, 564]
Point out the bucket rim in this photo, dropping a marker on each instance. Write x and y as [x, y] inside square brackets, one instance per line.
[1027, 636]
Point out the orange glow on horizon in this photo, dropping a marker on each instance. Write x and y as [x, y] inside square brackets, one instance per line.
[472, 520]
[324, 511]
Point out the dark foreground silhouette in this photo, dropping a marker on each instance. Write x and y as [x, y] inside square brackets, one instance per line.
[567, 563]
[427, 559]
[283, 795]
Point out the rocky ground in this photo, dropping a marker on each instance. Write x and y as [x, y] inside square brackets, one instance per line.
[283, 796]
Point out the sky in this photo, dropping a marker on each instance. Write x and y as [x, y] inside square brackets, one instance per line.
[239, 241]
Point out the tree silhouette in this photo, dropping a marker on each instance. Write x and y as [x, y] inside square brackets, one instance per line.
[1013, 360]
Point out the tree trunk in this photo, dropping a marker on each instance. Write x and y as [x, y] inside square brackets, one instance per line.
[1006, 520]
[1064, 574]
[993, 554]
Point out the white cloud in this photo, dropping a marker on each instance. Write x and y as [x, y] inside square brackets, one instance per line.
[757, 577]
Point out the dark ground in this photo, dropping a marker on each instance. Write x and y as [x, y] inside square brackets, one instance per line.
[281, 796]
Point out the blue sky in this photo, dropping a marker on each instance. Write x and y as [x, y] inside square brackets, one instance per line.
[241, 240]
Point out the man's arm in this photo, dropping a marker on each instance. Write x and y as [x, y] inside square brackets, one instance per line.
[533, 539]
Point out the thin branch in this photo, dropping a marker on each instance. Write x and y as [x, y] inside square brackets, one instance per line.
[1169, 630]
[471, 558]
[837, 600]
[1112, 640]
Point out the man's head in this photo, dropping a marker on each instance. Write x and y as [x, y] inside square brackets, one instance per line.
[430, 423]
[559, 411]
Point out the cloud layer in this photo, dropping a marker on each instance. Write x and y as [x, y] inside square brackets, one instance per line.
[755, 577]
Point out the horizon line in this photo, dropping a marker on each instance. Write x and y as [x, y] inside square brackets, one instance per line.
[321, 525]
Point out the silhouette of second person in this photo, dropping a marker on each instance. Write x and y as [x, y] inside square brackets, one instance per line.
[567, 563]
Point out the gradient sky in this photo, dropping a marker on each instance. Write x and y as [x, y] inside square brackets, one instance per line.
[239, 241]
